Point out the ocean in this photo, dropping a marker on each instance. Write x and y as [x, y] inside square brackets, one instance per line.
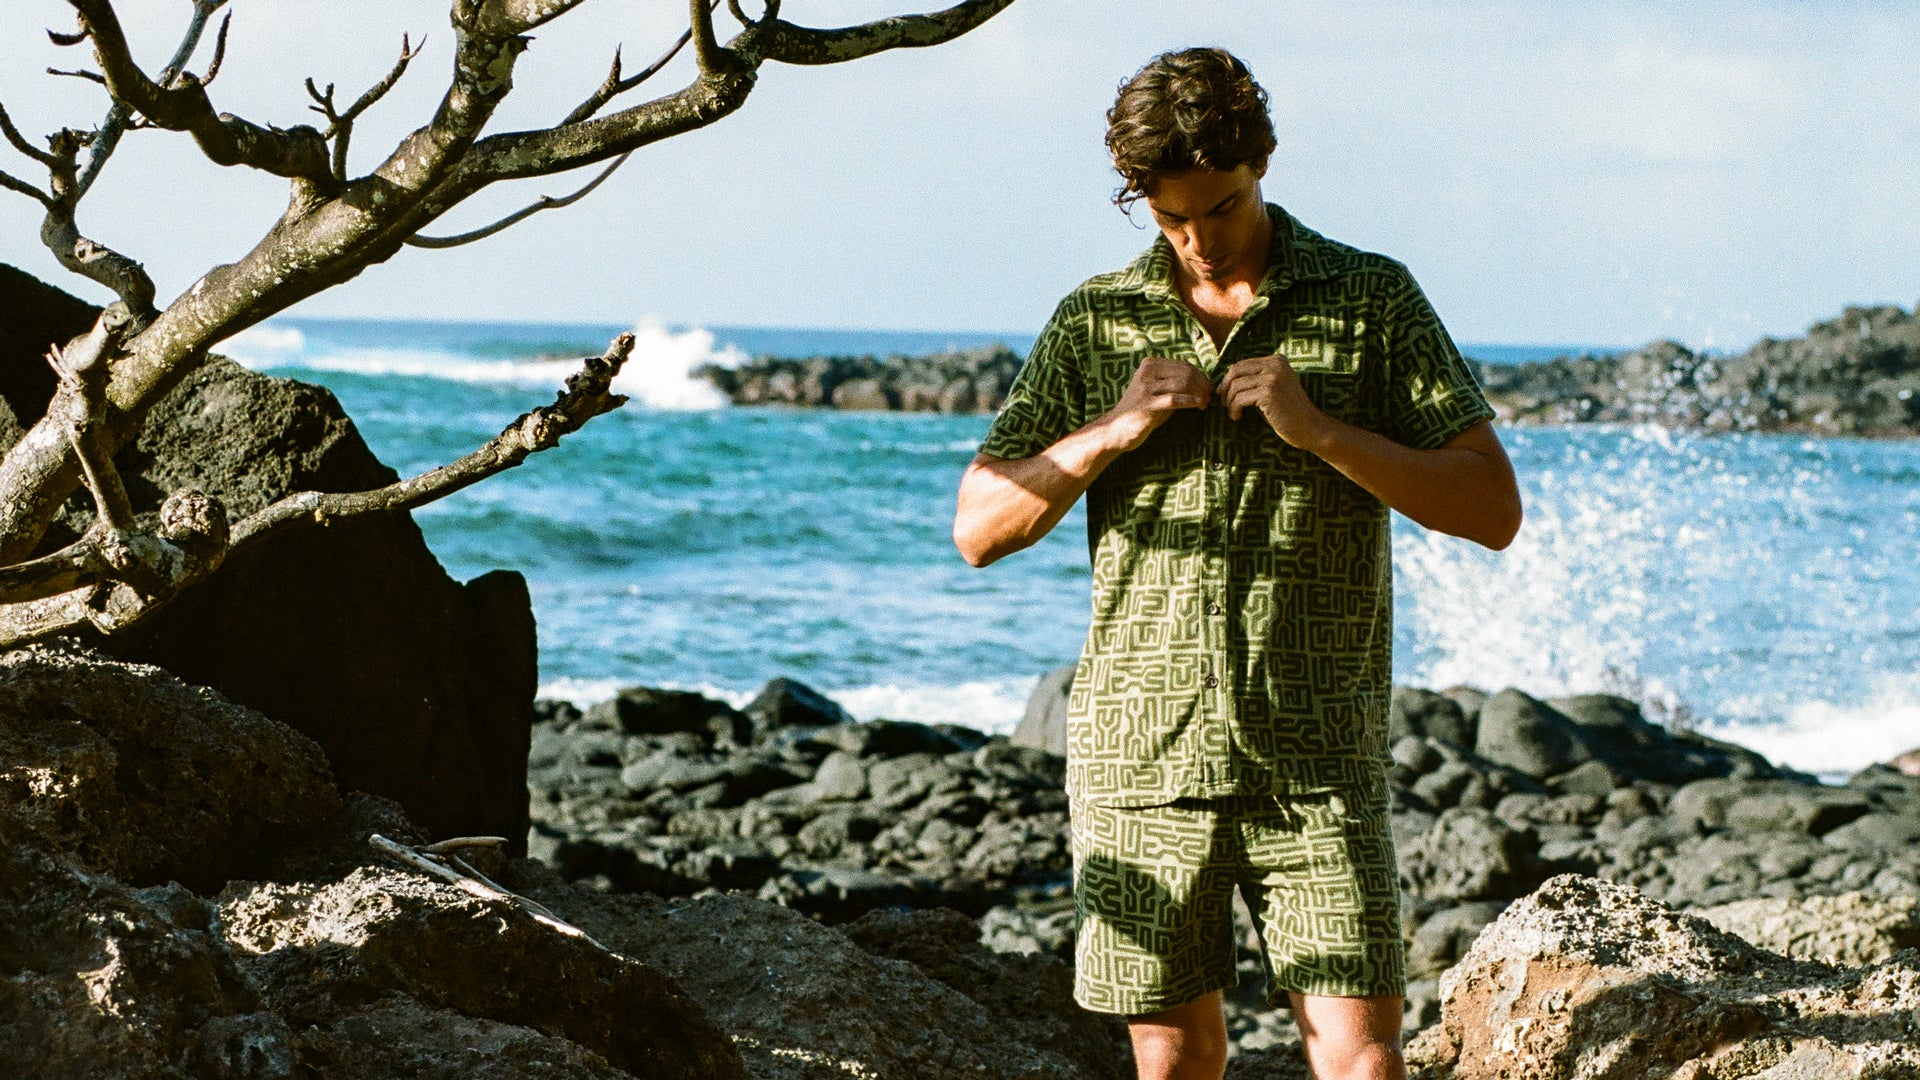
[1761, 588]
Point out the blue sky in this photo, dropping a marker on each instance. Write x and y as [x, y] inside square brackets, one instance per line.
[1563, 173]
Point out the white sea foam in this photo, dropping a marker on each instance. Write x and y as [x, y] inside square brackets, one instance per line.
[991, 705]
[658, 375]
[1836, 739]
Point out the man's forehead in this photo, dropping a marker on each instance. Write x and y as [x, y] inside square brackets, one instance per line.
[1195, 191]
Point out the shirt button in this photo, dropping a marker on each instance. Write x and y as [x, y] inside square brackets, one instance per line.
[1213, 608]
[1211, 681]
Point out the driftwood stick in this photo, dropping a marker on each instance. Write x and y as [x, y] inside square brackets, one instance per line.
[486, 890]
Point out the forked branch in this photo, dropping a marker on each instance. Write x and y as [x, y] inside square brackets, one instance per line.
[298, 152]
[340, 124]
[613, 86]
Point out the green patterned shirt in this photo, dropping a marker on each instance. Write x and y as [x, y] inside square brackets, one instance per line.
[1242, 588]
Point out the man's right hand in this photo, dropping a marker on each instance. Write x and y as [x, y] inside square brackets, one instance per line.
[1158, 389]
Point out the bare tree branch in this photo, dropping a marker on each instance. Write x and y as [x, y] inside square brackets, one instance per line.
[509, 17]
[614, 85]
[14, 183]
[219, 52]
[340, 124]
[706, 46]
[21, 142]
[116, 122]
[94, 261]
[588, 394]
[770, 11]
[547, 202]
[82, 367]
[68, 40]
[792, 44]
[79, 73]
[298, 152]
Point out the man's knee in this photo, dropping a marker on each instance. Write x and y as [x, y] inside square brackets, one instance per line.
[1187, 1042]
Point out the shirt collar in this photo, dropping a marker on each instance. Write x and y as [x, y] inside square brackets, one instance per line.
[1296, 253]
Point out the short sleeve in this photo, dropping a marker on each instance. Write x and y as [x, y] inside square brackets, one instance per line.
[1047, 401]
[1432, 395]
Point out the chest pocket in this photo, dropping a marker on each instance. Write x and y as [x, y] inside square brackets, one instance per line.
[1328, 352]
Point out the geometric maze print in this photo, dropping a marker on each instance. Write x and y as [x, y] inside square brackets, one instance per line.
[1154, 886]
[1242, 588]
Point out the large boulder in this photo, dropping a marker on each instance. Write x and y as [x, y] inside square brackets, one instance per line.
[1585, 980]
[1524, 733]
[99, 981]
[325, 957]
[804, 1001]
[146, 778]
[418, 687]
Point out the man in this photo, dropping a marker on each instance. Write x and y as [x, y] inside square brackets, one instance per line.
[1241, 406]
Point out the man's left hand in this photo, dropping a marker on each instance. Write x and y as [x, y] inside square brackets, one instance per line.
[1268, 383]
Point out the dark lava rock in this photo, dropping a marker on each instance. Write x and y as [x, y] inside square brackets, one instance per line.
[643, 710]
[145, 778]
[324, 951]
[1422, 712]
[419, 688]
[1858, 374]
[971, 380]
[98, 980]
[1470, 854]
[1529, 735]
[1033, 993]
[785, 702]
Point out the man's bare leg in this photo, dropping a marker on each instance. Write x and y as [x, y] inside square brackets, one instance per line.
[1186, 1042]
[1355, 1038]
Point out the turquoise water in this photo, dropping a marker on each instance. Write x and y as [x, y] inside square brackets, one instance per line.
[1762, 587]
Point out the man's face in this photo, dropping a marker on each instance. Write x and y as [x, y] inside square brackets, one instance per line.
[1214, 220]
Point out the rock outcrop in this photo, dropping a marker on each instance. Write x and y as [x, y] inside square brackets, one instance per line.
[1858, 374]
[295, 952]
[1585, 980]
[418, 687]
[972, 380]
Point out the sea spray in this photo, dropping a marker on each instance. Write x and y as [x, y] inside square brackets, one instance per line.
[1741, 583]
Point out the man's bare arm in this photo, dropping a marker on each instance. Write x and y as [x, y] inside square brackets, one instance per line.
[1465, 487]
[1007, 504]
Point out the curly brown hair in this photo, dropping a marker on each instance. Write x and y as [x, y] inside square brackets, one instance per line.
[1189, 109]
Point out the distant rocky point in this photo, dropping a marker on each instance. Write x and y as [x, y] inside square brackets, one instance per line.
[1858, 374]
[968, 381]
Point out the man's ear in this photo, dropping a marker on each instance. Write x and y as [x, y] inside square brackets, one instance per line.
[1260, 168]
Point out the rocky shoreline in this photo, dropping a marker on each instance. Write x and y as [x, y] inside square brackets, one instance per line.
[783, 893]
[1857, 374]
[789, 799]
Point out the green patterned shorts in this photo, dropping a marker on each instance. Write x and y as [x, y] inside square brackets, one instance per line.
[1153, 894]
